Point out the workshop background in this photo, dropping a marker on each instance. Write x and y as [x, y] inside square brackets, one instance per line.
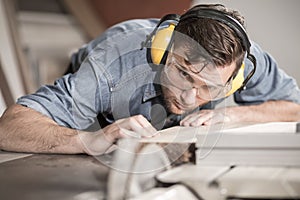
[37, 37]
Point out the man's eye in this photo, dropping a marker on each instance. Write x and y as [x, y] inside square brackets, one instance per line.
[209, 88]
[205, 87]
[184, 74]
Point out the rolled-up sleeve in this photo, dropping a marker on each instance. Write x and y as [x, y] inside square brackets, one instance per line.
[268, 83]
[75, 99]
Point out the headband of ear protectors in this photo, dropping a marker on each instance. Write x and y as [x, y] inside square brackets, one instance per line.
[158, 43]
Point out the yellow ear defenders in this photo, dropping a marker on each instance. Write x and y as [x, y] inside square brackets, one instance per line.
[159, 41]
[237, 82]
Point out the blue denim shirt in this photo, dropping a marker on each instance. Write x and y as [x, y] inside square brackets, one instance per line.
[115, 80]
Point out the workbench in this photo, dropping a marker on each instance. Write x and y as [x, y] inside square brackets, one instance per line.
[239, 165]
[51, 176]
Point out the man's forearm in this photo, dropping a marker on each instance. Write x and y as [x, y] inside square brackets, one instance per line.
[25, 130]
[266, 112]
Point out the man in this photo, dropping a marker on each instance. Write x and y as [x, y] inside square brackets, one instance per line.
[136, 89]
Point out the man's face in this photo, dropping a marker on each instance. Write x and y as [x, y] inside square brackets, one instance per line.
[187, 85]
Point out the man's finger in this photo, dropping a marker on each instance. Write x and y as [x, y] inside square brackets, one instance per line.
[201, 120]
[130, 133]
[147, 130]
[197, 119]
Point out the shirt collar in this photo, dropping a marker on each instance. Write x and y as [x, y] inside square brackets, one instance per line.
[151, 91]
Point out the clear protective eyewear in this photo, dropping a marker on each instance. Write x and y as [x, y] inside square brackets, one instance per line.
[185, 80]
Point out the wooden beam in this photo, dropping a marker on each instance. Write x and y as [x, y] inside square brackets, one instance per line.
[22, 64]
[86, 16]
[6, 93]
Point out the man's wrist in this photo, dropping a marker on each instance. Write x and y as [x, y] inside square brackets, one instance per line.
[93, 143]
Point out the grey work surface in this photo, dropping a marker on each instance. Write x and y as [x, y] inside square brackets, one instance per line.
[43, 176]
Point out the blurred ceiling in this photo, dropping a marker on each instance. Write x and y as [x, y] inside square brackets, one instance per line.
[111, 11]
[114, 11]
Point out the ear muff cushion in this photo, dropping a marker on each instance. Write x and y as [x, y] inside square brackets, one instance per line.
[160, 43]
[237, 82]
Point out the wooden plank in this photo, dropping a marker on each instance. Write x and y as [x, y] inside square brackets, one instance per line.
[8, 156]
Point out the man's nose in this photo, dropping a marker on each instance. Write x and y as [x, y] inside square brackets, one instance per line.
[188, 97]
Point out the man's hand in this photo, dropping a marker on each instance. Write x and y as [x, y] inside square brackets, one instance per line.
[206, 117]
[99, 142]
[270, 111]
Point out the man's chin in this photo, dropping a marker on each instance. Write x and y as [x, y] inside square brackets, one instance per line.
[173, 109]
[178, 111]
